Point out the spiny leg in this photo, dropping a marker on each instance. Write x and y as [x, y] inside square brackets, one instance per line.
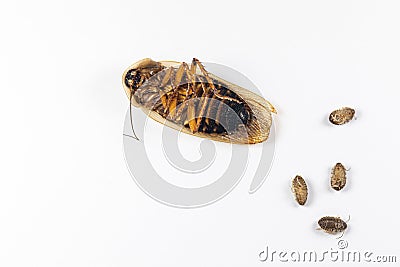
[209, 80]
[173, 100]
[208, 115]
[191, 112]
[193, 66]
[203, 102]
[192, 117]
[179, 75]
[168, 97]
[189, 90]
[164, 89]
[167, 77]
[163, 97]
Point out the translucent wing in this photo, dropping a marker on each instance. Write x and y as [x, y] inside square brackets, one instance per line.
[259, 128]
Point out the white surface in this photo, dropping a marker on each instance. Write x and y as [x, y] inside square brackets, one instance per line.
[66, 197]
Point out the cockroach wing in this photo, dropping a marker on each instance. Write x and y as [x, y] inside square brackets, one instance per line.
[259, 128]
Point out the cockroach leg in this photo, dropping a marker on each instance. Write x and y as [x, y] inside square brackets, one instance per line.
[178, 76]
[203, 105]
[208, 115]
[189, 89]
[193, 66]
[172, 100]
[192, 117]
[193, 70]
[209, 80]
[172, 104]
[167, 77]
[163, 97]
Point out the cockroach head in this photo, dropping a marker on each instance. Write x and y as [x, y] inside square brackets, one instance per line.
[138, 73]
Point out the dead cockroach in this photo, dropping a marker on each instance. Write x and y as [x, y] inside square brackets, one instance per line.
[341, 116]
[299, 188]
[338, 177]
[332, 225]
[189, 99]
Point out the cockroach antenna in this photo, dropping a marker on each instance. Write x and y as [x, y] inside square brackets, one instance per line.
[340, 235]
[130, 117]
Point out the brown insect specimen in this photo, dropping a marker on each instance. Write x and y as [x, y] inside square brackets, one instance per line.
[332, 225]
[299, 188]
[338, 177]
[341, 116]
[189, 99]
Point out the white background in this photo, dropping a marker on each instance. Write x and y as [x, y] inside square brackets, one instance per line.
[66, 196]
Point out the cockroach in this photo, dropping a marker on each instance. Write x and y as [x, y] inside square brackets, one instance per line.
[190, 99]
[332, 225]
[338, 177]
[299, 189]
[341, 116]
